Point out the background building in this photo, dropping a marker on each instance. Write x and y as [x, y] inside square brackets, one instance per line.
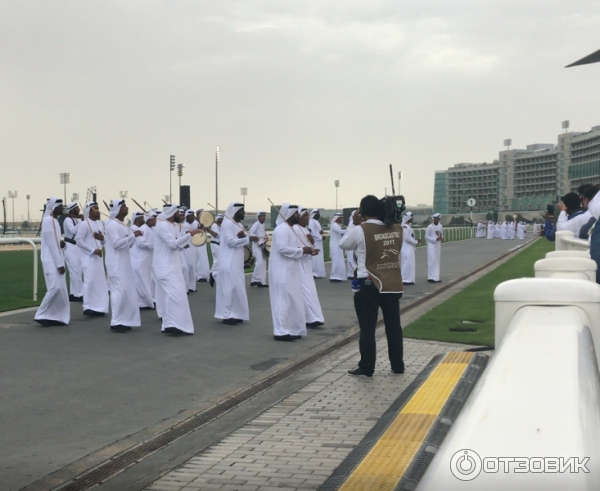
[521, 180]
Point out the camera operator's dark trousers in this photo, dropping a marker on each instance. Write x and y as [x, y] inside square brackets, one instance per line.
[367, 302]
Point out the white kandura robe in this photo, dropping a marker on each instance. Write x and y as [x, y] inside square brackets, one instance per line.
[351, 259]
[231, 299]
[338, 262]
[191, 255]
[312, 305]
[95, 287]
[434, 251]
[490, 231]
[407, 254]
[124, 304]
[259, 275]
[215, 248]
[202, 263]
[141, 262]
[318, 260]
[285, 283]
[55, 305]
[73, 257]
[171, 291]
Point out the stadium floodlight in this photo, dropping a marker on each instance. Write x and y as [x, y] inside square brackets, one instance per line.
[565, 125]
[336, 183]
[171, 169]
[65, 178]
[244, 192]
[123, 194]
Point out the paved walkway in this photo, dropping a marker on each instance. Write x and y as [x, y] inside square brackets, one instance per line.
[297, 444]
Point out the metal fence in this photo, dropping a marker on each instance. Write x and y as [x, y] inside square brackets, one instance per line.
[33, 243]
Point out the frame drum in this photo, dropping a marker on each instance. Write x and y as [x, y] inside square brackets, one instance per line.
[207, 218]
[267, 245]
[249, 259]
[199, 239]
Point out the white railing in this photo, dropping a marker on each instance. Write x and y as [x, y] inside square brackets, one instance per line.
[450, 233]
[537, 404]
[32, 242]
[566, 241]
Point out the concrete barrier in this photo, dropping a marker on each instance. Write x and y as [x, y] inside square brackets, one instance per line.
[571, 253]
[575, 268]
[533, 417]
[566, 241]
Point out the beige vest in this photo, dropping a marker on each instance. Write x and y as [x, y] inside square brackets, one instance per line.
[383, 244]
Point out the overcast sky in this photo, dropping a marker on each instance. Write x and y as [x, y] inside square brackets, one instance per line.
[295, 93]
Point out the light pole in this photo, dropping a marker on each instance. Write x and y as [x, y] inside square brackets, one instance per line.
[180, 172]
[28, 219]
[171, 169]
[244, 192]
[399, 182]
[336, 183]
[217, 157]
[65, 178]
[13, 195]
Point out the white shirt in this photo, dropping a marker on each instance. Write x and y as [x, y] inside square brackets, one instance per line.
[355, 241]
[575, 224]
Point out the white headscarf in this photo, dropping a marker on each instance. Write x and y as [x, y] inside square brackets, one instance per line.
[313, 212]
[135, 215]
[219, 216]
[336, 216]
[407, 216]
[436, 215]
[51, 205]
[168, 211]
[190, 212]
[261, 212]
[72, 205]
[199, 210]
[286, 211]
[233, 208]
[115, 207]
[302, 210]
[86, 208]
[150, 214]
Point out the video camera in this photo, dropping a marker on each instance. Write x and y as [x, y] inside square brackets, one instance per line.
[392, 208]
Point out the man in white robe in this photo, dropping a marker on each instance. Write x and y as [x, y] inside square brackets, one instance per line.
[231, 303]
[407, 252]
[171, 290]
[317, 234]
[73, 253]
[285, 277]
[215, 247]
[202, 263]
[259, 275]
[90, 239]
[350, 254]
[141, 258]
[54, 309]
[490, 230]
[338, 262]
[191, 253]
[312, 305]
[434, 236]
[124, 304]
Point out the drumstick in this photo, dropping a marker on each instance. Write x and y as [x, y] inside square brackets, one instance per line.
[107, 207]
[114, 219]
[283, 218]
[165, 202]
[140, 206]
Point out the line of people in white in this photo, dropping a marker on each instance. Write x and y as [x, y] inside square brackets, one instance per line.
[504, 230]
[152, 264]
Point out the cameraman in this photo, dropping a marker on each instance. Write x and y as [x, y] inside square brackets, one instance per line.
[378, 284]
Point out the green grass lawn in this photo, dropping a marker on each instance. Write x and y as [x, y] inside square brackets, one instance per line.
[475, 303]
[16, 280]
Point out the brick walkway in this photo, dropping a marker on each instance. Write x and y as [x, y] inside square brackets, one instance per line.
[296, 444]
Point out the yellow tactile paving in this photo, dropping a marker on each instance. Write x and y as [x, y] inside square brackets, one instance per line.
[385, 464]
